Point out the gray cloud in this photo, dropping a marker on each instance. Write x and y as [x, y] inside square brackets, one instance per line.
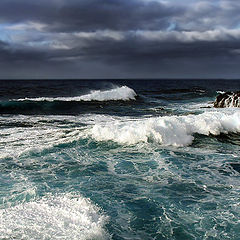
[119, 38]
[209, 15]
[90, 15]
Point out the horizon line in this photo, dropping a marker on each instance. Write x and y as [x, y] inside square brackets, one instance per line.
[23, 79]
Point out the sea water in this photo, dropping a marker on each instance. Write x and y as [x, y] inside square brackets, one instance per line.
[118, 159]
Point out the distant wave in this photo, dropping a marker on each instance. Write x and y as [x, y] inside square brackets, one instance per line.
[86, 103]
[170, 130]
[123, 93]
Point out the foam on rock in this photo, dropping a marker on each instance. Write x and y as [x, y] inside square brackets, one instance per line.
[228, 99]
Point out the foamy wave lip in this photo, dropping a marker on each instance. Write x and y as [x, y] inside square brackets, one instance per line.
[123, 93]
[174, 130]
[221, 92]
[62, 217]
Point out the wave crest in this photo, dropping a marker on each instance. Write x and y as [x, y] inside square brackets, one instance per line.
[175, 130]
[123, 93]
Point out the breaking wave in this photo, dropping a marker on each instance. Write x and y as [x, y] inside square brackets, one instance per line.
[169, 130]
[61, 217]
[123, 93]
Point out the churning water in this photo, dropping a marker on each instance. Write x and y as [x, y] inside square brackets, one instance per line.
[146, 159]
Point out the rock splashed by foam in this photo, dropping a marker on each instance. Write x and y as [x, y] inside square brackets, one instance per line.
[228, 99]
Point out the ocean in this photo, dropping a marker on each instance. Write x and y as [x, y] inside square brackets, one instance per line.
[118, 159]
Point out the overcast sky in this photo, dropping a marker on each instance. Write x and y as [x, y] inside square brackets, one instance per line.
[119, 39]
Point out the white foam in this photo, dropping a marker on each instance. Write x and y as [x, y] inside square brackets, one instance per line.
[43, 132]
[19, 140]
[168, 130]
[220, 92]
[123, 93]
[61, 217]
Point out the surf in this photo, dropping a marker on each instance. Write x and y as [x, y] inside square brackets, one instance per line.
[71, 217]
[175, 131]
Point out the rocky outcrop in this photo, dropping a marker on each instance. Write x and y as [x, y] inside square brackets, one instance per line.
[228, 99]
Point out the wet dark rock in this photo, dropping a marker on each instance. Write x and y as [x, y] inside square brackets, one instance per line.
[235, 166]
[228, 99]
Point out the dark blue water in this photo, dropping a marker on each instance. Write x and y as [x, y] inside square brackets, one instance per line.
[118, 159]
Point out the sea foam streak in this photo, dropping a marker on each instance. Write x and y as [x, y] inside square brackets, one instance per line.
[169, 130]
[34, 139]
[123, 93]
[42, 132]
[61, 217]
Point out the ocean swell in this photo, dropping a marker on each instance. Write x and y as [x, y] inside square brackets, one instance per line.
[169, 130]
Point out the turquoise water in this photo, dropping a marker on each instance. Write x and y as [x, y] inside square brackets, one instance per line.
[158, 164]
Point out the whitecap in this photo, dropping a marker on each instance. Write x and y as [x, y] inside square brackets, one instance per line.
[169, 130]
[53, 217]
[123, 93]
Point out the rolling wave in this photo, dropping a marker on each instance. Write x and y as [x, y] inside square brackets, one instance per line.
[169, 130]
[40, 133]
[123, 93]
[91, 102]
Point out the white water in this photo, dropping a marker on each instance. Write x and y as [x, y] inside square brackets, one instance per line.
[46, 132]
[170, 130]
[60, 217]
[43, 132]
[16, 141]
[118, 93]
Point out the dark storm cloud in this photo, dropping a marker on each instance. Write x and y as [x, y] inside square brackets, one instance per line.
[89, 15]
[11, 55]
[3, 45]
[208, 15]
[115, 15]
[134, 52]
[119, 38]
